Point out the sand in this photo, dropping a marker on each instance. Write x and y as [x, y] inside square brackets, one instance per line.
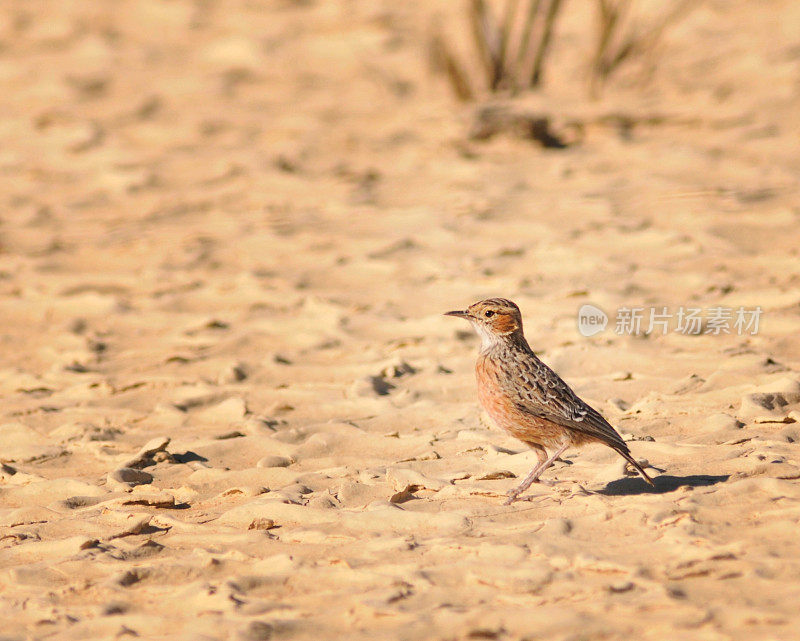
[231, 406]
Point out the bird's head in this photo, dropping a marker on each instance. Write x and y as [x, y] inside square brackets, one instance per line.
[494, 319]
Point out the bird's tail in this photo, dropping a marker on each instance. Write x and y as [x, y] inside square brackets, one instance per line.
[627, 456]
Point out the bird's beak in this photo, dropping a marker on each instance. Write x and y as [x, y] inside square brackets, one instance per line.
[459, 313]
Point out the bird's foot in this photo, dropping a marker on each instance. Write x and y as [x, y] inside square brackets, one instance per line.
[513, 495]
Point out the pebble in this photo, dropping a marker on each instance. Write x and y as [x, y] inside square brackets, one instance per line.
[159, 499]
[273, 460]
[261, 523]
[145, 454]
[500, 474]
[129, 477]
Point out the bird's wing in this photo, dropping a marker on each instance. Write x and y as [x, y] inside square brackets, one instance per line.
[542, 393]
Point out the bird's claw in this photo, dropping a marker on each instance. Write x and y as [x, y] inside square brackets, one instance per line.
[513, 495]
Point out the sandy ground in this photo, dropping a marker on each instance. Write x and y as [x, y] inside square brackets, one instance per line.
[228, 233]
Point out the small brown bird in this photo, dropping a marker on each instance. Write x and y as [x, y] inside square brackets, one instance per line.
[526, 398]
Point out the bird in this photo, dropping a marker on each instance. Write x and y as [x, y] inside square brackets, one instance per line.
[526, 398]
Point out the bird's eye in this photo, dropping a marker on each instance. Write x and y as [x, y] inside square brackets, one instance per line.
[488, 313]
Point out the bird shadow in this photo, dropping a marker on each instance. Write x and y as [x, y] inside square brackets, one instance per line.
[662, 484]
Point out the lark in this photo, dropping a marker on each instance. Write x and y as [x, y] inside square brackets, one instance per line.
[526, 398]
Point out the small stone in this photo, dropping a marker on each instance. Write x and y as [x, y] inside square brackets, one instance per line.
[154, 445]
[185, 494]
[274, 460]
[129, 477]
[500, 474]
[261, 524]
[145, 455]
[620, 587]
[161, 499]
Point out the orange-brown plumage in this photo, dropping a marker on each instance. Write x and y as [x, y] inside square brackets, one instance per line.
[500, 407]
[526, 398]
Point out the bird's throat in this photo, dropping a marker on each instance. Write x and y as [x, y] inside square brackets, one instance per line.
[491, 339]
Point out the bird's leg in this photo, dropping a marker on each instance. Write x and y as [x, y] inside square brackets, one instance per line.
[535, 472]
[542, 454]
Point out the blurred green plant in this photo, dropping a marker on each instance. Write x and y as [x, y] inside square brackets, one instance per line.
[512, 50]
[616, 43]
